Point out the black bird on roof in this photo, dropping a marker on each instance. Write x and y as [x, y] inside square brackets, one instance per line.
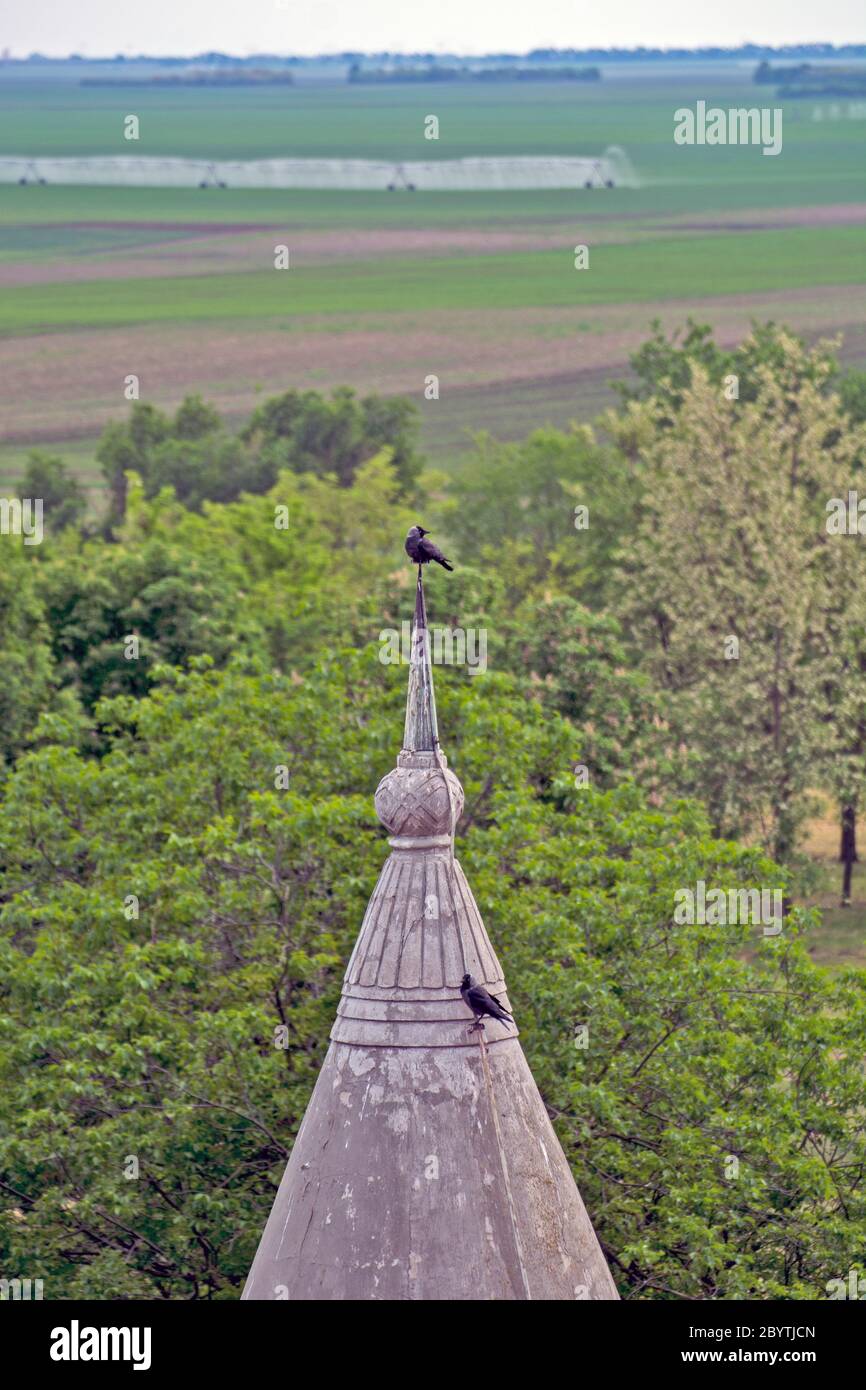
[423, 551]
[476, 997]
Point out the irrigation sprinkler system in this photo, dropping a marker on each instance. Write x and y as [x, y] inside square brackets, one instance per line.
[612, 169]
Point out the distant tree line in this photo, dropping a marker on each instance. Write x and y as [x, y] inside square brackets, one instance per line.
[638, 54]
[198, 77]
[437, 73]
[806, 80]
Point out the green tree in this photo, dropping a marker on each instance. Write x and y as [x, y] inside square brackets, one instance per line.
[150, 585]
[728, 590]
[852, 393]
[127, 447]
[305, 432]
[518, 508]
[47, 477]
[194, 454]
[301, 569]
[189, 452]
[27, 676]
[576, 662]
[665, 366]
[195, 419]
[216, 468]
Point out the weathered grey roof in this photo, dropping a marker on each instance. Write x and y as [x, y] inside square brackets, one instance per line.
[426, 1166]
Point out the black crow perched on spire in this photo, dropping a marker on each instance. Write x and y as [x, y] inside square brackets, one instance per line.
[476, 997]
[423, 551]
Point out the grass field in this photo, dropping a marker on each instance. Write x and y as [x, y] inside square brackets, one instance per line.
[179, 287]
[641, 273]
[630, 107]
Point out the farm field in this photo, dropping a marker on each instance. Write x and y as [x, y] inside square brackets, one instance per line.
[178, 286]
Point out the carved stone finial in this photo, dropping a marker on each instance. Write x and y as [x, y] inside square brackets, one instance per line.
[413, 800]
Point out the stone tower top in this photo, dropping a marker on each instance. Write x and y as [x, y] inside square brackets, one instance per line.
[426, 1166]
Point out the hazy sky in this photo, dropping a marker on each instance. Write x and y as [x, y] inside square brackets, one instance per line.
[100, 27]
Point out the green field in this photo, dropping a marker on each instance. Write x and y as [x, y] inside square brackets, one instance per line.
[178, 285]
[640, 273]
[337, 120]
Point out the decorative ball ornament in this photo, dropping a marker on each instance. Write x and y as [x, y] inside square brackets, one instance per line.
[413, 800]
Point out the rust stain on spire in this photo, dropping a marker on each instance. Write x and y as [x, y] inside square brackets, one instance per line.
[426, 1166]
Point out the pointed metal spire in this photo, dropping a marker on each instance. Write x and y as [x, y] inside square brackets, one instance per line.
[426, 1166]
[421, 732]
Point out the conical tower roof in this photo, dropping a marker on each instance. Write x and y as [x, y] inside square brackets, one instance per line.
[426, 1166]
